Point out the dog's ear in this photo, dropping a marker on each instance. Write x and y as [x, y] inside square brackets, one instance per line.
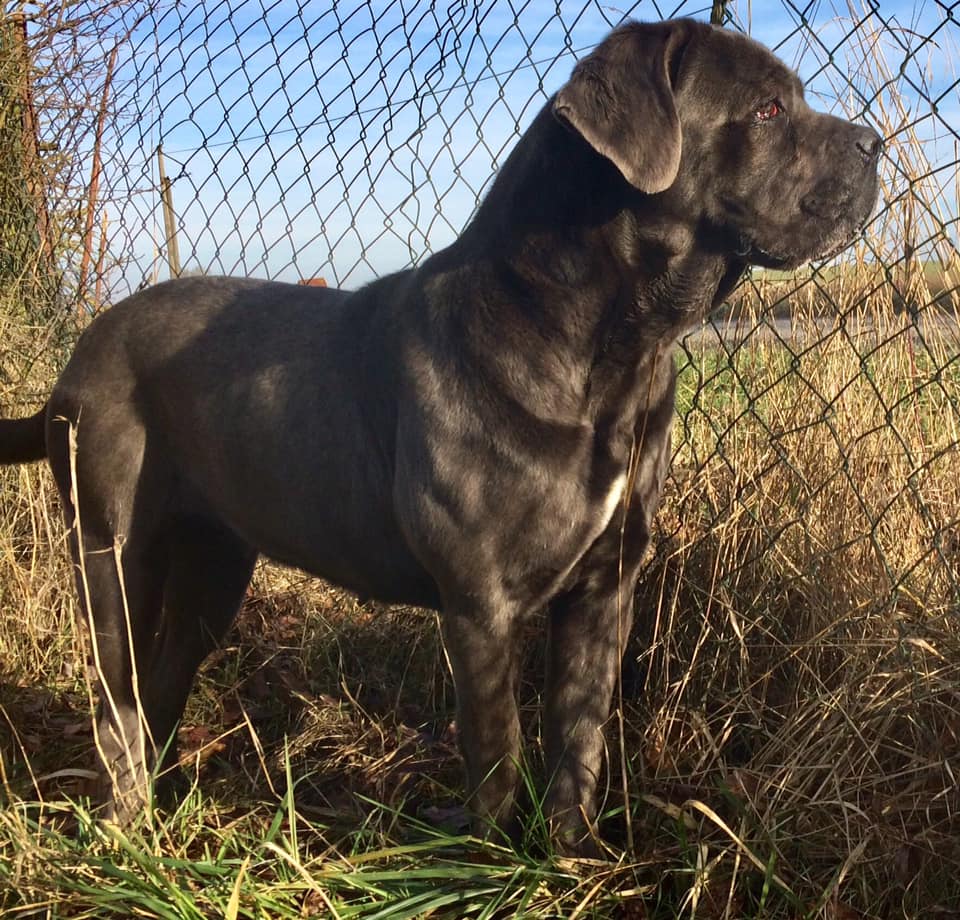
[620, 100]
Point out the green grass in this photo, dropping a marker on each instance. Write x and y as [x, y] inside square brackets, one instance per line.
[277, 865]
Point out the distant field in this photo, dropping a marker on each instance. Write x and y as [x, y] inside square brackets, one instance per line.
[921, 286]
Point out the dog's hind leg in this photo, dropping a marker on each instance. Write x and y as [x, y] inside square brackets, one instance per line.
[209, 571]
[121, 592]
[115, 505]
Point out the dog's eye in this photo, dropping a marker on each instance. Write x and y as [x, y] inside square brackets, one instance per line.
[769, 110]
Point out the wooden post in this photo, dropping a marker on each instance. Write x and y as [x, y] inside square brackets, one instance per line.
[719, 12]
[101, 256]
[169, 217]
[94, 190]
[32, 172]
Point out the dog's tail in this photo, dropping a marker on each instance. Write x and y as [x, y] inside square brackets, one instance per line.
[23, 439]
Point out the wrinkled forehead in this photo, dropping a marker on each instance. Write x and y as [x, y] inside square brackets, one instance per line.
[732, 65]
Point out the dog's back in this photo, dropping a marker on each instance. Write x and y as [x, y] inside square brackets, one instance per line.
[230, 399]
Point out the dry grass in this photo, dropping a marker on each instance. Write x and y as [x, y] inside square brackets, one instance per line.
[805, 665]
[791, 696]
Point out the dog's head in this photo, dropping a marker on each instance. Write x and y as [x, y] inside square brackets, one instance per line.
[714, 120]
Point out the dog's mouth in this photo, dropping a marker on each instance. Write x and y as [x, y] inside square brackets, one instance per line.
[751, 251]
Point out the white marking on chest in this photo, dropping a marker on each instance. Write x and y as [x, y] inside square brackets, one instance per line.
[614, 497]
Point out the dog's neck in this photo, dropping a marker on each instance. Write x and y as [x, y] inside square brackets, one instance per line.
[563, 218]
[603, 275]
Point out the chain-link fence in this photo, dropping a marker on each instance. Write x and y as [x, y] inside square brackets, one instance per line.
[798, 669]
[306, 141]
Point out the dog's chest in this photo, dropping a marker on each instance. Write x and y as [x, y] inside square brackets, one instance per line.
[611, 500]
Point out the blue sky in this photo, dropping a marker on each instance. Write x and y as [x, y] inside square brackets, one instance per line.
[349, 139]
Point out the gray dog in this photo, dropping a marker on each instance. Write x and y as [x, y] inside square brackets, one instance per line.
[486, 434]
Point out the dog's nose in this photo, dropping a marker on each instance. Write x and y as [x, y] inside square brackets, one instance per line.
[869, 144]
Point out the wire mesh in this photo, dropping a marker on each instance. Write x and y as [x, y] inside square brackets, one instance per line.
[342, 141]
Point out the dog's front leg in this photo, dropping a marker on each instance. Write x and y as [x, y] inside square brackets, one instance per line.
[588, 628]
[483, 649]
